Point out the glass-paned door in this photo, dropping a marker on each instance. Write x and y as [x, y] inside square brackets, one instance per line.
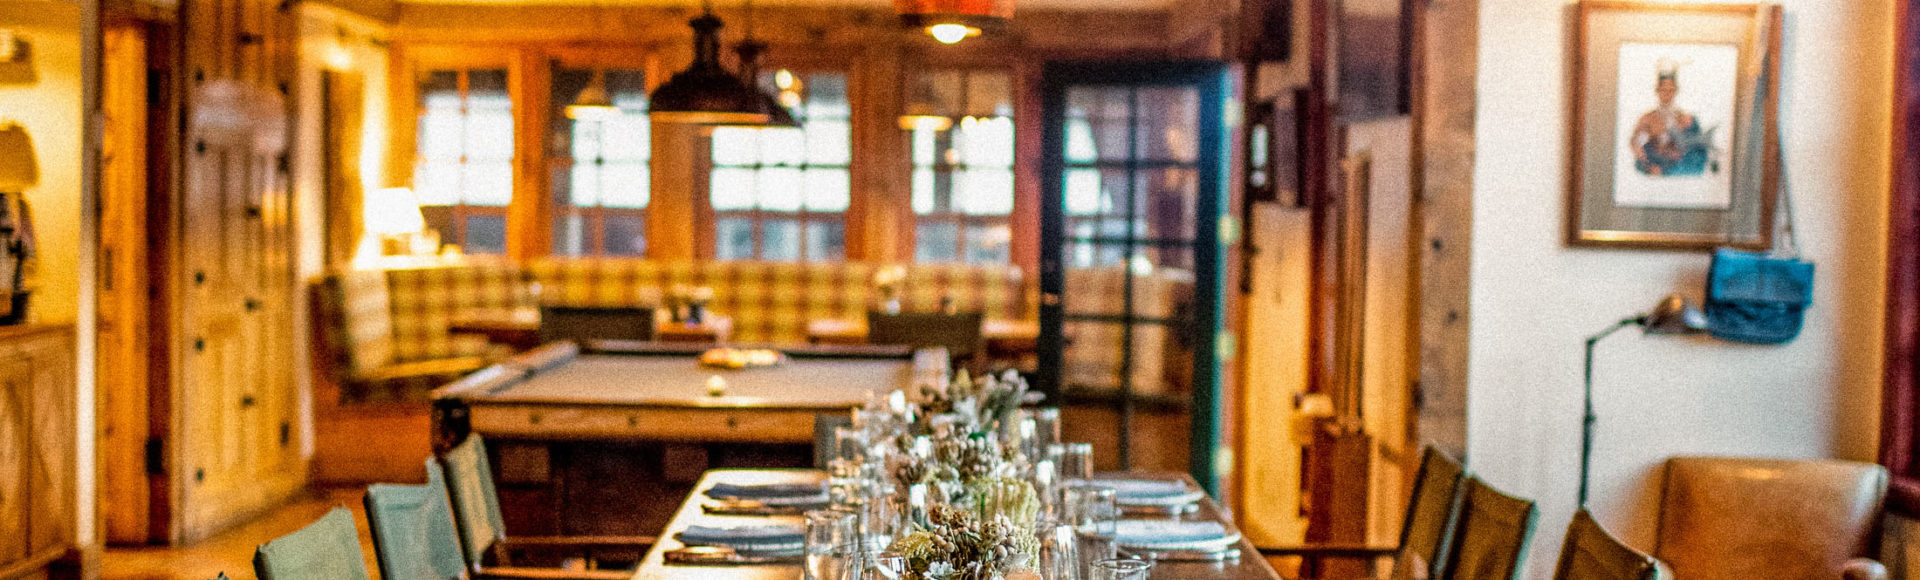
[1130, 276]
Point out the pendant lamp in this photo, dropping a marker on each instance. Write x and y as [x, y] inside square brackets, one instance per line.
[777, 115]
[951, 21]
[593, 102]
[706, 92]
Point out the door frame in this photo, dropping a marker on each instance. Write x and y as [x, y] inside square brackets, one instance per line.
[1210, 78]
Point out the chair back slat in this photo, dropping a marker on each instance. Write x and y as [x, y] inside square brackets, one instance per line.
[414, 536]
[1590, 553]
[958, 332]
[581, 324]
[1491, 535]
[1426, 535]
[327, 549]
[476, 508]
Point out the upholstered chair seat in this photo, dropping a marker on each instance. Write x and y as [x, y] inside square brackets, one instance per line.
[1738, 519]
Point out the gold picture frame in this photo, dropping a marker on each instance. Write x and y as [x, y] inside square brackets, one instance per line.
[1685, 160]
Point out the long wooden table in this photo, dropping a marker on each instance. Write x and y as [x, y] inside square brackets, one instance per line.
[1250, 566]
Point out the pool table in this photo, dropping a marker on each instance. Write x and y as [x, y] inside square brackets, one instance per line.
[588, 438]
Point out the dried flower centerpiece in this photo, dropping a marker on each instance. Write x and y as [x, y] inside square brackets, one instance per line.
[960, 544]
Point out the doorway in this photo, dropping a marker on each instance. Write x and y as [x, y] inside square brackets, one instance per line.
[1130, 276]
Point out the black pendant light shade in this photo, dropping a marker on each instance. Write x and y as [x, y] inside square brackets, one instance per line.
[706, 92]
[777, 115]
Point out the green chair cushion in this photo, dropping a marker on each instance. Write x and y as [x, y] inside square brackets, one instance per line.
[328, 549]
[414, 535]
[476, 508]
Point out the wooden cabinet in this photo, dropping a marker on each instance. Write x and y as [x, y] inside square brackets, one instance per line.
[36, 449]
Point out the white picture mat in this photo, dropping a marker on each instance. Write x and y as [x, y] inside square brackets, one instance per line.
[1708, 80]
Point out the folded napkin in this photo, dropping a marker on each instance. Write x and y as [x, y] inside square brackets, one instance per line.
[771, 493]
[1149, 491]
[1174, 535]
[774, 538]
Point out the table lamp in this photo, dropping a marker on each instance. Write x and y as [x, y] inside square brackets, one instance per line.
[18, 172]
[1672, 316]
[394, 215]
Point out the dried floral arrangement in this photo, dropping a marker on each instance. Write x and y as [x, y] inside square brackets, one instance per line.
[959, 544]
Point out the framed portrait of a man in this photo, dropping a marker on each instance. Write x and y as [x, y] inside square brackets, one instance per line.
[1674, 139]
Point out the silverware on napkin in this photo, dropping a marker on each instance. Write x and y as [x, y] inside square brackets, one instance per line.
[1230, 553]
[725, 556]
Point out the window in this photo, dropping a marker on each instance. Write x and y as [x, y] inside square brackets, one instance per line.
[601, 179]
[782, 194]
[1097, 188]
[962, 127]
[464, 172]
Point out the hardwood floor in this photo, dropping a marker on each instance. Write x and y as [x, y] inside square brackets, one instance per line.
[232, 551]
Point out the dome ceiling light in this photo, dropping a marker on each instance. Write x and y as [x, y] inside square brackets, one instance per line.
[951, 21]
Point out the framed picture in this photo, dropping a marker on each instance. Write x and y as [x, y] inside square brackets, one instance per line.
[1673, 135]
[1374, 46]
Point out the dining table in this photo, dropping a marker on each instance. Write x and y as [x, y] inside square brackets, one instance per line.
[693, 512]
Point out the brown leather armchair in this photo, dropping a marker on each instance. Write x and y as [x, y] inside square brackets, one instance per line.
[1737, 519]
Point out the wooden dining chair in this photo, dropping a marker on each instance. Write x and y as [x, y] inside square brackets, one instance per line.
[1424, 532]
[1590, 553]
[1490, 535]
[958, 332]
[413, 532]
[483, 538]
[579, 324]
[327, 549]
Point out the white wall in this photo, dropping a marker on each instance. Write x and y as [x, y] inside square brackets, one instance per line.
[1535, 299]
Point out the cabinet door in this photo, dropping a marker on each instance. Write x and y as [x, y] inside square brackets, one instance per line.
[14, 461]
[49, 380]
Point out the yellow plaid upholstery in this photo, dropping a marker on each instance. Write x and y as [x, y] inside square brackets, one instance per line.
[768, 301]
[773, 301]
[426, 300]
[363, 300]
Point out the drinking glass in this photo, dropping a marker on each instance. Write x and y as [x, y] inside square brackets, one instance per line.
[1121, 569]
[1095, 518]
[849, 444]
[883, 566]
[847, 483]
[879, 524]
[1059, 559]
[1046, 427]
[831, 536]
[1073, 460]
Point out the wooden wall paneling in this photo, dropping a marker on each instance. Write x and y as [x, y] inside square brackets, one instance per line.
[880, 189]
[37, 461]
[343, 98]
[122, 302]
[529, 214]
[1444, 89]
[15, 461]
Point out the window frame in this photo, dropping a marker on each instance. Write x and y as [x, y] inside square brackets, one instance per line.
[577, 56]
[707, 238]
[458, 214]
[963, 221]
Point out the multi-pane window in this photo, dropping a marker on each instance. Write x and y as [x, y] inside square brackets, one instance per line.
[962, 140]
[464, 173]
[1099, 144]
[782, 194]
[599, 167]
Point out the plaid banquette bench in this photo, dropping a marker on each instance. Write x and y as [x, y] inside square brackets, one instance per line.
[768, 301]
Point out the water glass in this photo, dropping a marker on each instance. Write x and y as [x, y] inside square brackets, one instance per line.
[831, 537]
[849, 444]
[879, 523]
[1073, 460]
[879, 566]
[1046, 427]
[1121, 569]
[1095, 518]
[1059, 553]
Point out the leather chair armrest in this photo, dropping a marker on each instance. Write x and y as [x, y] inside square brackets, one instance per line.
[1863, 569]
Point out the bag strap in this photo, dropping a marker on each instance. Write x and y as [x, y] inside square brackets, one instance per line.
[1786, 242]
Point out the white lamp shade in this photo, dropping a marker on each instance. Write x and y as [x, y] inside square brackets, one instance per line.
[393, 211]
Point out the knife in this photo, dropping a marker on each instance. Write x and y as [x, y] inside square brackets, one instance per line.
[1185, 555]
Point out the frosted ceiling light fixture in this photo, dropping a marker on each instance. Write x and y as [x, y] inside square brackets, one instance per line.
[951, 21]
